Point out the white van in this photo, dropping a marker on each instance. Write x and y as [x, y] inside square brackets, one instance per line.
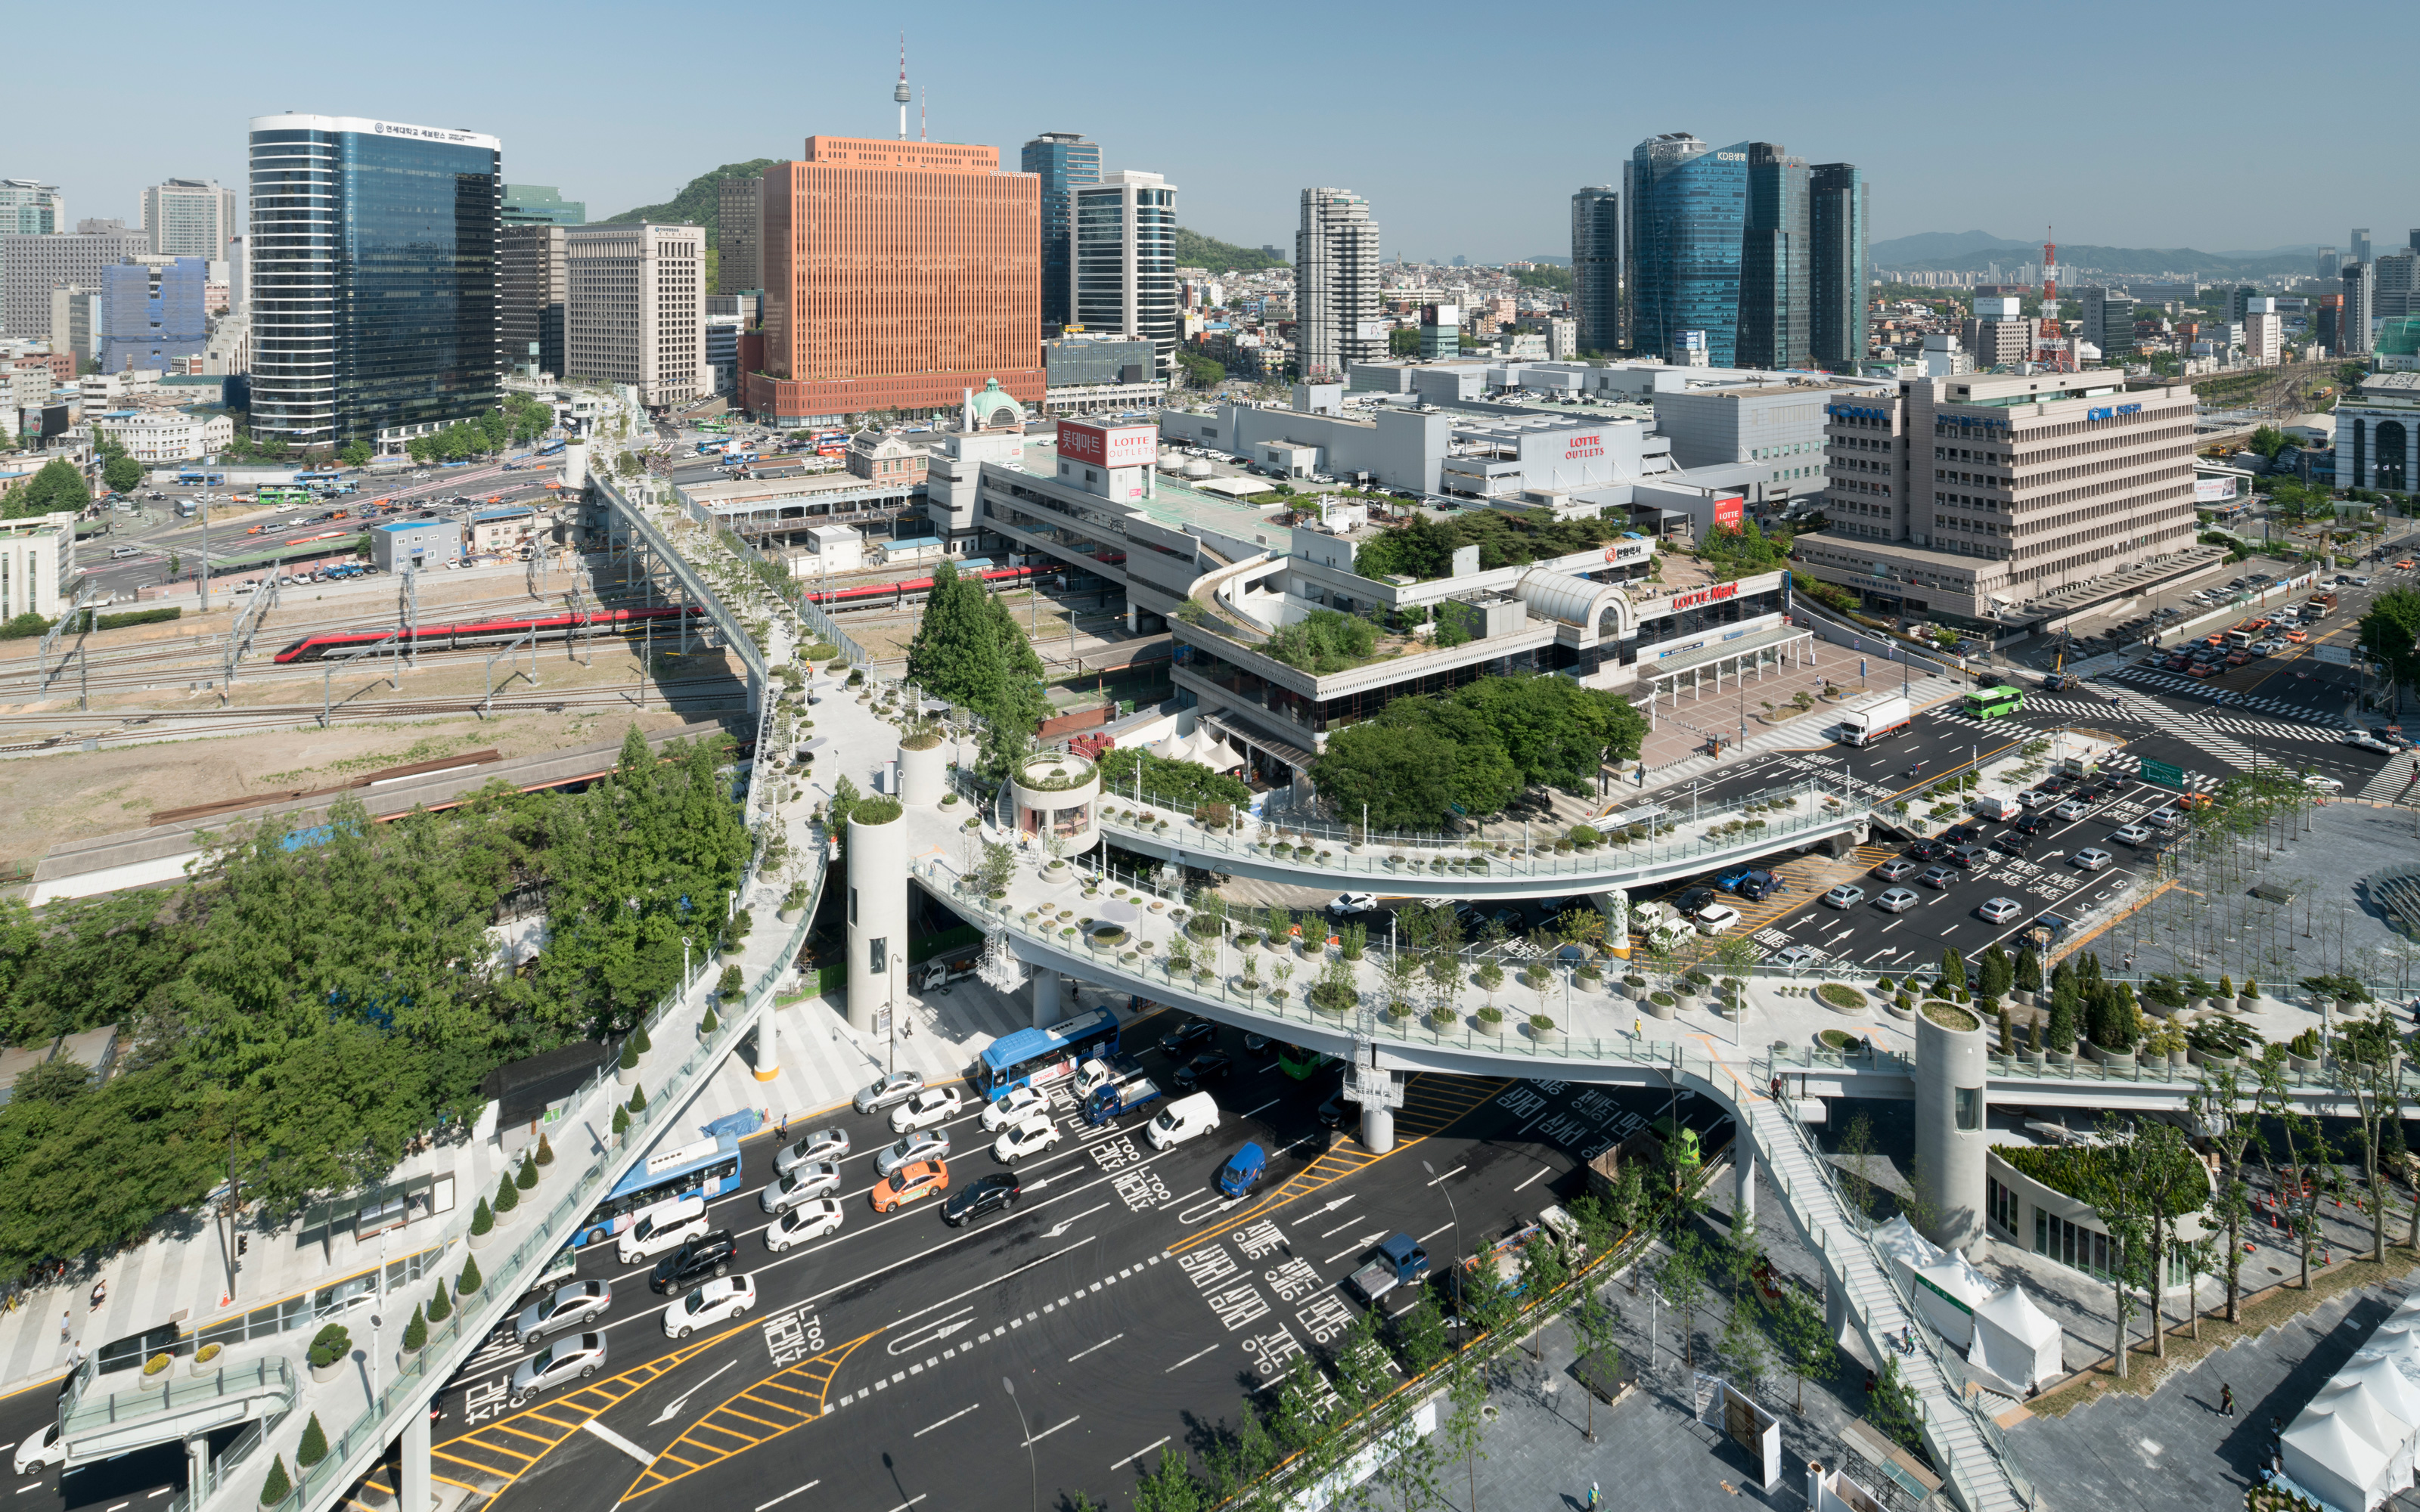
[661, 1227]
[1184, 1119]
[1998, 806]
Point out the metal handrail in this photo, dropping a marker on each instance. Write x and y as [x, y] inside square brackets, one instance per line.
[270, 1374]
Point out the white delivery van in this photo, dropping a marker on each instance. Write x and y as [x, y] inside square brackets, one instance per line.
[1999, 806]
[660, 1227]
[1184, 1119]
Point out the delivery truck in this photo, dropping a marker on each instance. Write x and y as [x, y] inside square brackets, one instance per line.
[1875, 719]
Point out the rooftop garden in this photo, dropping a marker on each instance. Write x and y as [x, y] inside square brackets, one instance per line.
[1474, 750]
[1326, 642]
[1424, 548]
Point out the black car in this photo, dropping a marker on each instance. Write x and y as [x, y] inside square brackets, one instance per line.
[2057, 782]
[1331, 1113]
[1261, 1045]
[708, 1255]
[2013, 843]
[1966, 834]
[2030, 822]
[1970, 856]
[1186, 1036]
[1927, 849]
[1691, 901]
[997, 1193]
[1207, 1067]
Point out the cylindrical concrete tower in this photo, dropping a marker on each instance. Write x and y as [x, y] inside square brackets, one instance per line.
[923, 771]
[1057, 793]
[878, 911]
[1951, 1136]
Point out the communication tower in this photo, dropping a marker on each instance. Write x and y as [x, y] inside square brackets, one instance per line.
[901, 94]
[2052, 345]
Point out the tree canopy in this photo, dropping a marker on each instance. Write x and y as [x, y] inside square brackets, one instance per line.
[316, 1001]
[1475, 748]
[1424, 548]
[1324, 641]
[1182, 784]
[58, 485]
[2389, 635]
[971, 652]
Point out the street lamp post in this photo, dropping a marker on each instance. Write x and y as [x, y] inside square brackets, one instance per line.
[1032, 1473]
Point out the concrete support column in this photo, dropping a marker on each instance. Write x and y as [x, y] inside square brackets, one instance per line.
[197, 1464]
[1378, 1128]
[1742, 1181]
[1046, 1010]
[1950, 1115]
[768, 1041]
[878, 919]
[413, 1490]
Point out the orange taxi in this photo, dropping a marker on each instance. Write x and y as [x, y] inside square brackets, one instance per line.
[917, 1178]
[2404, 566]
[2298, 637]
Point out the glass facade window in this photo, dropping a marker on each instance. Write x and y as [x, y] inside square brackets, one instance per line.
[373, 281]
[1837, 275]
[1065, 162]
[1688, 210]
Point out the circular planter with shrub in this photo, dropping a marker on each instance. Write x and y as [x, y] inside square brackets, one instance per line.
[1543, 1030]
[1490, 1020]
[328, 1348]
[1840, 999]
[206, 1359]
[1950, 1016]
[1660, 1005]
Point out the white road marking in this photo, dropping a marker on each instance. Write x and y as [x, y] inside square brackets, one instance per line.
[945, 1421]
[1542, 1170]
[1456, 1171]
[1031, 1442]
[1270, 1103]
[786, 1495]
[1080, 1353]
[1434, 1232]
[1189, 1359]
[1363, 1243]
[910, 1502]
[1122, 1463]
[674, 1410]
[162, 1491]
[35, 1487]
[618, 1442]
[1340, 1229]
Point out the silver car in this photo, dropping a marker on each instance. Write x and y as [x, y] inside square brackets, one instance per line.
[819, 1179]
[569, 1307]
[576, 1358]
[1897, 901]
[924, 1144]
[897, 1087]
[824, 1144]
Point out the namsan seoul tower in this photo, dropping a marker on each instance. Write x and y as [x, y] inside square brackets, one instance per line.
[900, 93]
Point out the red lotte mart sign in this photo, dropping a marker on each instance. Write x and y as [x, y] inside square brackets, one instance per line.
[1704, 595]
[1727, 511]
[1105, 446]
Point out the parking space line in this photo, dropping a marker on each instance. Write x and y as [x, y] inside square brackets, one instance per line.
[1138, 1454]
[1189, 1359]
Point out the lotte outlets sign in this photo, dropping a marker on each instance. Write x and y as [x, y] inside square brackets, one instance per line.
[1108, 446]
[1579, 459]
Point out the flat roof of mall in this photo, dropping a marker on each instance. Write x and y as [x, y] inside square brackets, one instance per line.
[1176, 505]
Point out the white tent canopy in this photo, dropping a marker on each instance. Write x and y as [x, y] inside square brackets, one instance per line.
[2367, 1414]
[1217, 755]
[2015, 1341]
[1174, 749]
[1942, 1284]
[2327, 1457]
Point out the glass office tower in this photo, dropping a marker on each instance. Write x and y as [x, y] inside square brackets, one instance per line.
[1836, 221]
[1688, 211]
[1126, 261]
[1596, 268]
[373, 279]
[1774, 262]
[1066, 161]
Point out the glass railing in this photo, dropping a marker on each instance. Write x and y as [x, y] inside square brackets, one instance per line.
[176, 1393]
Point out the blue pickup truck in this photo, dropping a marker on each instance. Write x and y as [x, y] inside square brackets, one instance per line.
[1113, 1100]
[1393, 1263]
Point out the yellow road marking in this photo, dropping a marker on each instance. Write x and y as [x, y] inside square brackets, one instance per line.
[700, 1455]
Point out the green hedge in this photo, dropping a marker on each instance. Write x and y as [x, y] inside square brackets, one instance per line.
[94, 619]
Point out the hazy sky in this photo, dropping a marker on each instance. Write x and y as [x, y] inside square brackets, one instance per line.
[1466, 126]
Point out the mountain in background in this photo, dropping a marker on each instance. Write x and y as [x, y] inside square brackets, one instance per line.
[700, 202]
[1951, 251]
[1194, 250]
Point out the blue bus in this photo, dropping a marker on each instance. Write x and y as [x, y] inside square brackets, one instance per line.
[708, 1167]
[1039, 1057]
[307, 479]
[197, 475]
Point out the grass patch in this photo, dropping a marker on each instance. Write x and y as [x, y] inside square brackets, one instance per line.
[1950, 1016]
[1839, 995]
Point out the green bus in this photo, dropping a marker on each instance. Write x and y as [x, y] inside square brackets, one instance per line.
[1990, 702]
[1299, 1063]
[280, 494]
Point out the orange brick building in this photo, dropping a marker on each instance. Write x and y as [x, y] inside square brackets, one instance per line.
[897, 274]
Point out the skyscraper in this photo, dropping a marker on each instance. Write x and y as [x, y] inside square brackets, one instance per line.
[530, 295]
[32, 265]
[191, 218]
[1596, 267]
[373, 285]
[1687, 215]
[739, 261]
[2108, 320]
[634, 309]
[1835, 218]
[1336, 284]
[2328, 262]
[152, 314]
[897, 275]
[1775, 257]
[540, 204]
[1124, 253]
[2359, 283]
[1065, 162]
[2357, 245]
[28, 209]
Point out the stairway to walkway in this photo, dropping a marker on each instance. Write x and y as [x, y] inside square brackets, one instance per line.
[1963, 1442]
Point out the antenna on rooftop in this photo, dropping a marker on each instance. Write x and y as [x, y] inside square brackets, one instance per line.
[900, 93]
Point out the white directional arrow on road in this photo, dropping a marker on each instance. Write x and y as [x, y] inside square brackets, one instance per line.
[674, 1409]
[1330, 1207]
[1066, 1223]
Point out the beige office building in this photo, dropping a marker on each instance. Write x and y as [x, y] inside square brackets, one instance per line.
[634, 309]
[1976, 494]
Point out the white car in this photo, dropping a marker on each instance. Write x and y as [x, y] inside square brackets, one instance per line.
[1999, 910]
[41, 1451]
[2092, 858]
[2072, 808]
[2319, 782]
[720, 1299]
[1011, 1107]
[1033, 1135]
[1715, 918]
[933, 1105]
[1796, 955]
[1898, 901]
[808, 1220]
[929, 1143]
[2132, 834]
[577, 1356]
[2365, 741]
[2270, 647]
[1845, 896]
[2162, 819]
[1345, 904]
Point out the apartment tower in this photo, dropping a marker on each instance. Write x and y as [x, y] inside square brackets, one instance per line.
[1336, 284]
[897, 276]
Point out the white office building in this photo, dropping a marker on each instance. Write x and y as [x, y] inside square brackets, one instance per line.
[1336, 284]
[190, 218]
[156, 436]
[1123, 278]
[634, 309]
[36, 556]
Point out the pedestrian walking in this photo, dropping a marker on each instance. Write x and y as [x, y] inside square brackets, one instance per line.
[67, 1326]
[1593, 1494]
[2227, 1400]
[781, 1133]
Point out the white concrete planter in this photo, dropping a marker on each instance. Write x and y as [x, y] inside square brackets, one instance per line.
[1655, 1009]
[628, 1075]
[2247, 1004]
[326, 1373]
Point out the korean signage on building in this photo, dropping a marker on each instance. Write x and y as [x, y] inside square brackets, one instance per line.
[2213, 491]
[1703, 595]
[1728, 512]
[1108, 446]
[2112, 412]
